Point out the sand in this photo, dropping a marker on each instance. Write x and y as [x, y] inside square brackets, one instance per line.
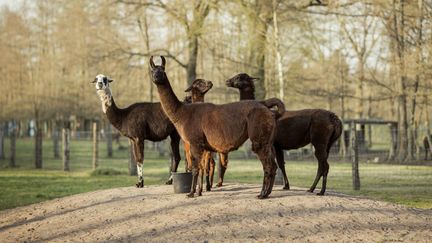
[231, 213]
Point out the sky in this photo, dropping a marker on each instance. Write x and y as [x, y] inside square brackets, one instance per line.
[13, 4]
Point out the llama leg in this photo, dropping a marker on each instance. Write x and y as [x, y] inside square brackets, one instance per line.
[175, 158]
[281, 164]
[207, 157]
[202, 170]
[196, 160]
[138, 149]
[201, 176]
[223, 160]
[211, 172]
[188, 157]
[325, 170]
[321, 155]
[324, 181]
[269, 167]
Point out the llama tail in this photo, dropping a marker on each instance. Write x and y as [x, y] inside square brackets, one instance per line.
[337, 128]
[275, 102]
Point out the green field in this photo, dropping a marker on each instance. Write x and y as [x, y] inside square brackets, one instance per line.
[408, 185]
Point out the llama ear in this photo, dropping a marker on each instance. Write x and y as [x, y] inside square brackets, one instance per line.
[94, 81]
[152, 65]
[188, 89]
[252, 78]
[110, 80]
[163, 61]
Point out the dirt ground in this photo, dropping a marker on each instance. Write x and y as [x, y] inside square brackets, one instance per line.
[231, 213]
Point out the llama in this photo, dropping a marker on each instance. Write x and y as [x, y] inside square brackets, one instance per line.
[221, 128]
[296, 129]
[139, 122]
[198, 89]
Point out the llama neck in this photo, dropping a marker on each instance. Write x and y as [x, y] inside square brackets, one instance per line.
[247, 94]
[170, 102]
[110, 108]
[197, 97]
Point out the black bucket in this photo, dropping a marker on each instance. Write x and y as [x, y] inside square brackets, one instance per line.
[182, 181]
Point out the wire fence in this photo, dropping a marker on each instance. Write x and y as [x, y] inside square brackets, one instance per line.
[374, 150]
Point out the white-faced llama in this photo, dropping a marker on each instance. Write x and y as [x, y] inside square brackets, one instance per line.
[138, 122]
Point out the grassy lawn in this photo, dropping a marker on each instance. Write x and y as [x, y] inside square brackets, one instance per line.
[408, 185]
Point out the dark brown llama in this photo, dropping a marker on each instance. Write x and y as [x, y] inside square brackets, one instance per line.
[296, 129]
[198, 89]
[221, 128]
[139, 122]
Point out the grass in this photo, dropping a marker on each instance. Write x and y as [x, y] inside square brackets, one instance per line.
[403, 184]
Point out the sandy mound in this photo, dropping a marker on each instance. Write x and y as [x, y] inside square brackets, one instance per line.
[231, 213]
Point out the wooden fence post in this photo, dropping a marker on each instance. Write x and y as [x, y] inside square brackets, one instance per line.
[95, 146]
[66, 150]
[108, 137]
[354, 157]
[13, 135]
[132, 164]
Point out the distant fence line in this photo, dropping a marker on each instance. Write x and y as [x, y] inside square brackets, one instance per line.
[358, 144]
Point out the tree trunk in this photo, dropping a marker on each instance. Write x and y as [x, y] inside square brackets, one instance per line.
[13, 135]
[193, 56]
[95, 146]
[257, 43]
[412, 144]
[38, 142]
[393, 145]
[132, 164]
[369, 127]
[399, 39]
[2, 133]
[278, 53]
[342, 145]
[66, 150]
[56, 139]
[360, 89]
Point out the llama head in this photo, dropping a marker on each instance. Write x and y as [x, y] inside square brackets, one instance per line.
[241, 81]
[102, 86]
[201, 86]
[158, 71]
[101, 82]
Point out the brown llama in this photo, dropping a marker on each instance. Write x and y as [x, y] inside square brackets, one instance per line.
[221, 128]
[296, 129]
[198, 89]
[139, 122]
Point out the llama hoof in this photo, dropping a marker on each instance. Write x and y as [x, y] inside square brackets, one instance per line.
[311, 191]
[260, 196]
[219, 184]
[286, 187]
[320, 193]
[208, 188]
[190, 195]
[199, 194]
[169, 182]
[140, 184]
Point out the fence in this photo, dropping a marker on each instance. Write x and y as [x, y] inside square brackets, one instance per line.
[87, 150]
